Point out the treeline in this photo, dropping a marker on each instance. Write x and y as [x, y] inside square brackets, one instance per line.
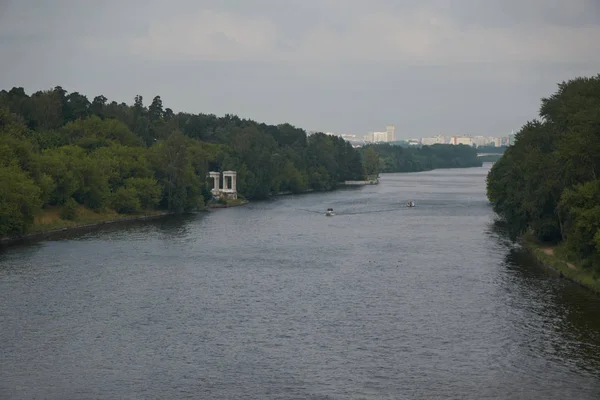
[491, 149]
[414, 159]
[548, 182]
[490, 158]
[59, 149]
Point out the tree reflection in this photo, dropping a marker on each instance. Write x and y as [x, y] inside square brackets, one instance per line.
[553, 317]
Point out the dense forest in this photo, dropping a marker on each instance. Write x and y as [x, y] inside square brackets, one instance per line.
[414, 159]
[61, 151]
[548, 183]
[58, 149]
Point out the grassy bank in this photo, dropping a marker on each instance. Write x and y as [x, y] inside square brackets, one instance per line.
[559, 259]
[49, 221]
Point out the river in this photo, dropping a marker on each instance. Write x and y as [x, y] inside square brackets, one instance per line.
[274, 300]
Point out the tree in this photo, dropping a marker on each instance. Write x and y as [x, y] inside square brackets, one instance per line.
[581, 207]
[155, 111]
[72, 153]
[98, 105]
[126, 201]
[76, 107]
[138, 106]
[547, 182]
[371, 164]
[148, 191]
[45, 110]
[19, 201]
[176, 174]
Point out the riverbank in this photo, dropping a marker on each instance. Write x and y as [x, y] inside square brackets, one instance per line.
[372, 181]
[227, 204]
[49, 222]
[557, 259]
[477, 165]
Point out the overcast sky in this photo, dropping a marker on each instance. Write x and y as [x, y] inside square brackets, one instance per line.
[345, 66]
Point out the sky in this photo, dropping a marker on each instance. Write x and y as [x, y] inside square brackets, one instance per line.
[476, 67]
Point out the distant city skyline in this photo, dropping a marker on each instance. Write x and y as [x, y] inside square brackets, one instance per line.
[413, 137]
[389, 137]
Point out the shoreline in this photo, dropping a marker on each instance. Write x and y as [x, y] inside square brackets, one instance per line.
[435, 169]
[45, 234]
[41, 234]
[547, 258]
[237, 203]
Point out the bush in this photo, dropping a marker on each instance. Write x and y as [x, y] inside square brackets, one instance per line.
[148, 191]
[19, 200]
[69, 209]
[126, 201]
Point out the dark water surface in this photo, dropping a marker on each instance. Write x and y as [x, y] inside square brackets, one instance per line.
[276, 301]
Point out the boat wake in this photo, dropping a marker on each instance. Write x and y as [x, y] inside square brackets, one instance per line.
[329, 213]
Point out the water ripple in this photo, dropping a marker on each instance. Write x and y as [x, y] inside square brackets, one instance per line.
[270, 301]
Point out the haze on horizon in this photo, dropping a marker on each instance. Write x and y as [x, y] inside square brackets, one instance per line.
[345, 66]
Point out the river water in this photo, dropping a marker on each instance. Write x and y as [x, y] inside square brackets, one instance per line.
[274, 300]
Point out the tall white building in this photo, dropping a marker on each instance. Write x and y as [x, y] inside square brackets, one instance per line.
[390, 131]
[380, 136]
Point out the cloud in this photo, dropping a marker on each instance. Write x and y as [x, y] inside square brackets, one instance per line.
[434, 32]
[429, 38]
[206, 36]
[334, 65]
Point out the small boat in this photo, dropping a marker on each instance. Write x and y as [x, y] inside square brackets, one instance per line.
[329, 212]
[410, 204]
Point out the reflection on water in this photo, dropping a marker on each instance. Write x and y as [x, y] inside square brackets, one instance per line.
[561, 307]
[170, 226]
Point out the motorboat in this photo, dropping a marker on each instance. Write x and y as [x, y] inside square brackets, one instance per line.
[329, 212]
[410, 204]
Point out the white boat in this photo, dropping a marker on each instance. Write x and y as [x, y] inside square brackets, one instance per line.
[329, 212]
[410, 204]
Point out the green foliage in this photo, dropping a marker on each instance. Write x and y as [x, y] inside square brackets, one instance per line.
[175, 171]
[415, 159]
[548, 181]
[69, 210]
[126, 201]
[94, 132]
[292, 179]
[147, 189]
[490, 158]
[65, 149]
[371, 162]
[580, 206]
[491, 149]
[19, 201]
[330, 160]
